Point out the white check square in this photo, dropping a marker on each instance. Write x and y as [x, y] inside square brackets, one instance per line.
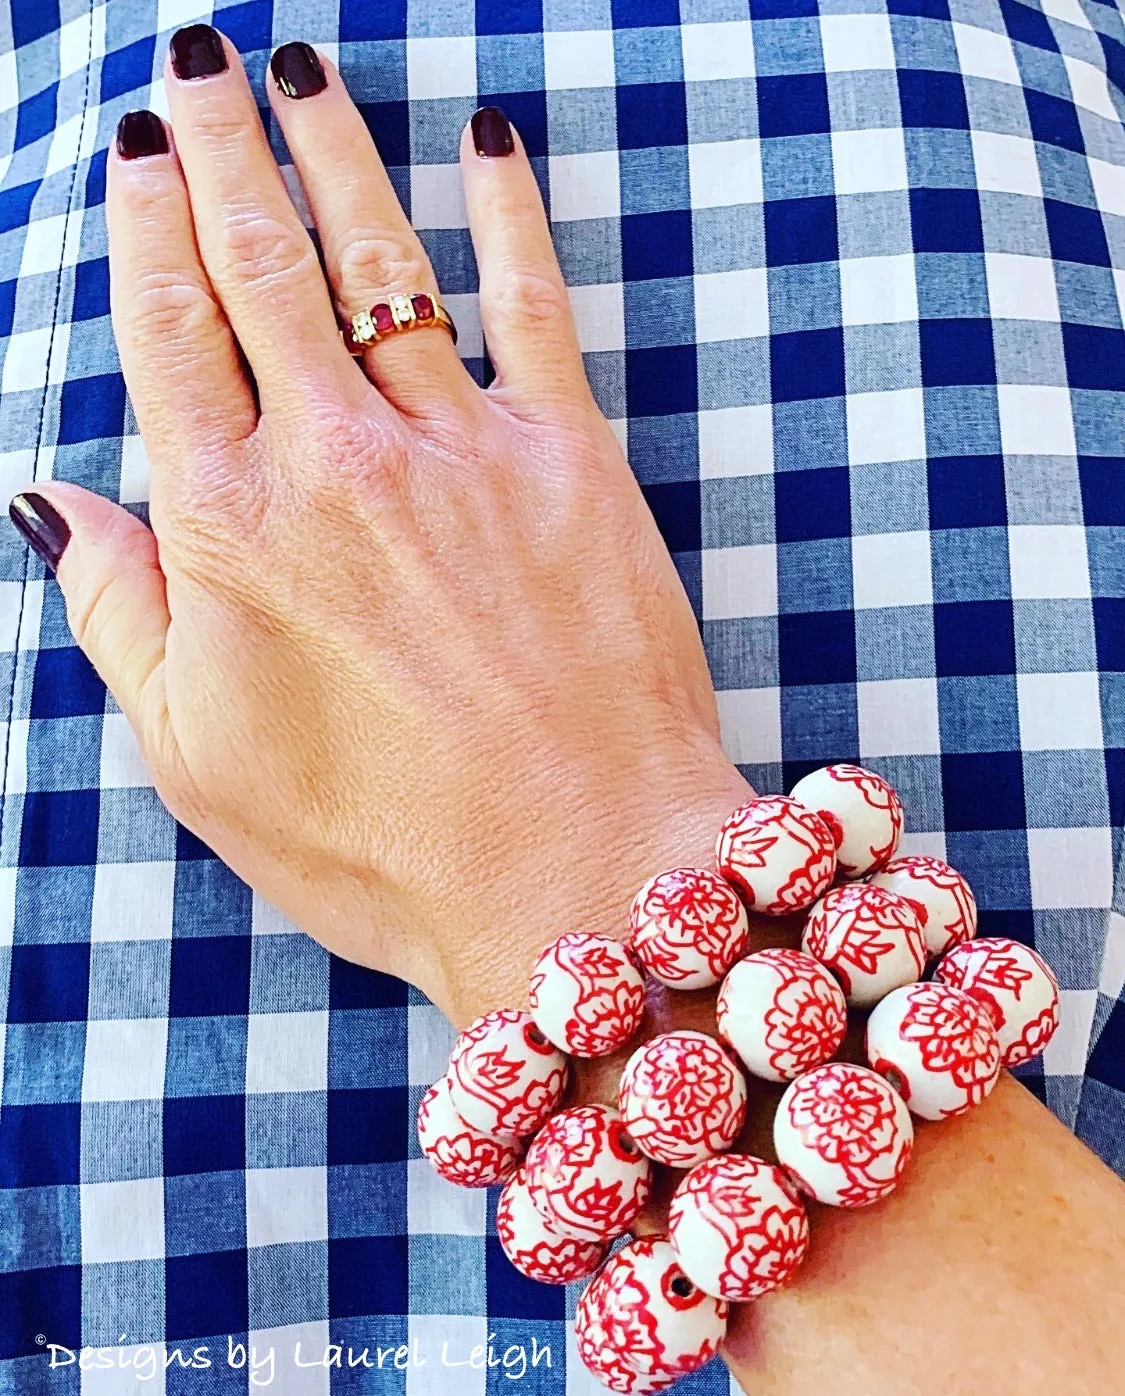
[1060, 712]
[122, 1221]
[286, 1052]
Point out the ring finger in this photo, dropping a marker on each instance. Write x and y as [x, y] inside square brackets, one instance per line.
[370, 249]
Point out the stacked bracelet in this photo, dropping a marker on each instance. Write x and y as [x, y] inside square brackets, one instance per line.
[656, 1308]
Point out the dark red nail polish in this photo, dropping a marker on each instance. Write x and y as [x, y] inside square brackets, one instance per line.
[492, 132]
[298, 71]
[42, 525]
[197, 52]
[141, 133]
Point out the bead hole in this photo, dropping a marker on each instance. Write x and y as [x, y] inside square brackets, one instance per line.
[535, 1036]
[682, 1287]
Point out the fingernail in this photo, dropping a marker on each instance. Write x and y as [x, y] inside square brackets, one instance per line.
[197, 52]
[42, 525]
[141, 133]
[297, 70]
[492, 132]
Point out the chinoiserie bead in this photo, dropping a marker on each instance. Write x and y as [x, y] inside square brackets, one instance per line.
[687, 927]
[534, 1247]
[585, 1175]
[681, 1098]
[738, 1227]
[939, 894]
[782, 1012]
[650, 1311]
[936, 1046]
[843, 1135]
[1015, 984]
[505, 1078]
[601, 1358]
[870, 939]
[778, 854]
[862, 810]
[586, 994]
[459, 1152]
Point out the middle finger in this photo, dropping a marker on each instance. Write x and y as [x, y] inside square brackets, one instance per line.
[259, 258]
[370, 249]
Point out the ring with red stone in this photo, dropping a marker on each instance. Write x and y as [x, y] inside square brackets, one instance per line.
[419, 310]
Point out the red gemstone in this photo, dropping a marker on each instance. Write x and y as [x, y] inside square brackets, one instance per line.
[423, 307]
[382, 316]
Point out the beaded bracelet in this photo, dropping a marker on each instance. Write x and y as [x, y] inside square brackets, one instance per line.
[656, 1308]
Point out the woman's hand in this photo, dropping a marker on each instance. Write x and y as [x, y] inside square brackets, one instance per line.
[410, 656]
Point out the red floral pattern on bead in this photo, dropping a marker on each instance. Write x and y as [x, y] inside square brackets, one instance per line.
[806, 1022]
[1017, 987]
[855, 927]
[600, 1357]
[879, 796]
[847, 1116]
[682, 1098]
[533, 1248]
[687, 926]
[754, 1212]
[581, 1176]
[604, 993]
[917, 867]
[638, 1295]
[778, 854]
[459, 1153]
[1035, 1036]
[514, 1079]
[782, 1011]
[955, 1035]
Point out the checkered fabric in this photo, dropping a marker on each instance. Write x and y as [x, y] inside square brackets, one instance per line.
[850, 282]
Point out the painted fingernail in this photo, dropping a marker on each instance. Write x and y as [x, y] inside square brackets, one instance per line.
[297, 70]
[492, 132]
[141, 133]
[42, 525]
[197, 52]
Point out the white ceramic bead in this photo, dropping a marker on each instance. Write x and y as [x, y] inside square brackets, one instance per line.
[939, 894]
[682, 1098]
[870, 939]
[862, 810]
[586, 1176]
[505, 1078]
[843, 1135]
[534, 1247]
[936, 1046]
[738, 1227]
[782, 1012]
[601, 1358]
[643, 1308]
[687, 927]
[779, 855]
[1015, 984]
[460, 1153]
[586, 994]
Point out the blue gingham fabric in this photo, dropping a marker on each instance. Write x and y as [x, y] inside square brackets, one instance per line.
[850, 282]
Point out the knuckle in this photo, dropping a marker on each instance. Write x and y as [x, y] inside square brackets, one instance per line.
[165, 304]
[369, 262]
[530, 297]
[259, 248]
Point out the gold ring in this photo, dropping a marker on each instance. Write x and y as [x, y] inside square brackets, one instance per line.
[420, 310]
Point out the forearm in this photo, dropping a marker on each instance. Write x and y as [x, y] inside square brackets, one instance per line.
[995, 1267]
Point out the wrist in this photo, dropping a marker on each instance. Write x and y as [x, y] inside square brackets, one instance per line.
[584, 877]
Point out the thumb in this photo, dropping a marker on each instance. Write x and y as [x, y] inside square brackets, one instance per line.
[109, 571]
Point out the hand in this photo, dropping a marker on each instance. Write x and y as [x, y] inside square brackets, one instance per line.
[410, 656]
